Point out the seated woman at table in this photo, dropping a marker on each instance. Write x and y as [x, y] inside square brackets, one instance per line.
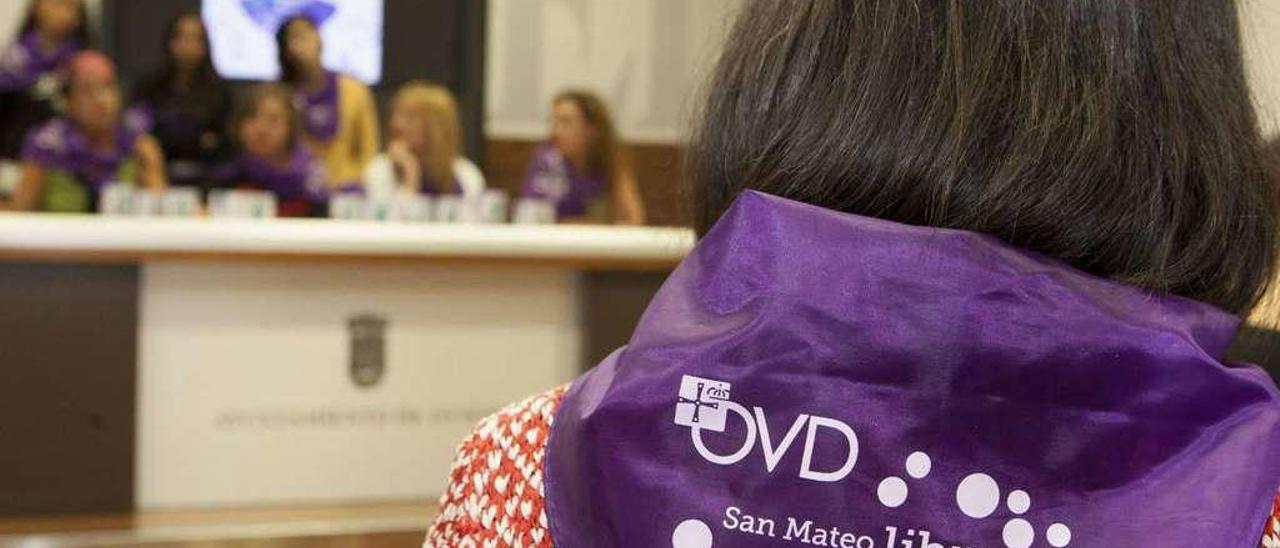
[338, 115]
[186, 104]
[424, 155]
[69, 160]
[53, 32]
[272, 156]
[584, 169]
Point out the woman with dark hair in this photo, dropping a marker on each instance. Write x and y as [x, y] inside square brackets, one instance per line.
[585, 170]
[68, 161]
[186, 103]
[966, 275]
[272, 157]
[52, 32]
[339, 118]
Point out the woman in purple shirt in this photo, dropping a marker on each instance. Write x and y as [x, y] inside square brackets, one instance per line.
[272, 156]
[584, 170]
[69, 160]
[53, 31]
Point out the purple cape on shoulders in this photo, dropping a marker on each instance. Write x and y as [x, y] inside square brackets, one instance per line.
[813, 378]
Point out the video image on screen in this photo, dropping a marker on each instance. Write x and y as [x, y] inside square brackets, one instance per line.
[242, 34]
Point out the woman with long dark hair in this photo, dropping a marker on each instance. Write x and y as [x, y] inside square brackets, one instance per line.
[187, 103]
[584, 170]
[52, 32]
[339, 117]
[965, 277]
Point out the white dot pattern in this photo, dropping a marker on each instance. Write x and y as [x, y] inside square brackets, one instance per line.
[1058, 535]
[978, 496]
[691, 534]
[1019, 502]
[892, 492]
[1018, 533]
[919, 465]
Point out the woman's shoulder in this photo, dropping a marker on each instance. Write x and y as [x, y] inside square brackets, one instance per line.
[468, 176]
[379, 178]
[48, 143]
[147, 148]
[495, 489]
[351, 86]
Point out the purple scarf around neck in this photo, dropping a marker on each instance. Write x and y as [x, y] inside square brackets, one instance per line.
[812, 378]
[25, 61]
[551, 177]
[320, 109]
[61, 145]
[301, 178]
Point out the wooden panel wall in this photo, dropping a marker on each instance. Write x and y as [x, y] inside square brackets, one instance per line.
[659, 169]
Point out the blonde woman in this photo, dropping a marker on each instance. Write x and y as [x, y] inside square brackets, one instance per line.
[424, 155]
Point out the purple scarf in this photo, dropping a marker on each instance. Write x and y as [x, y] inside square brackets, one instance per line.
[60, 145]
[812, 378]
[552, 178]
[302, 178]
[24, 62]
[429, 187]
[320, 109]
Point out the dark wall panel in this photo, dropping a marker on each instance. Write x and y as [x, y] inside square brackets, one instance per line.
[1258, 346]
[68, 345]
[611, 306]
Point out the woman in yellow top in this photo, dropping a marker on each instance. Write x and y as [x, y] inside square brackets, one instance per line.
[339, 118]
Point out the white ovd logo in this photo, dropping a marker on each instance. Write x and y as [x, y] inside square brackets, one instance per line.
[703, 405]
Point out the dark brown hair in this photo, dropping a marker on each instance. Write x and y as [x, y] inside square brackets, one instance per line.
[206, 82]
[290, 72]
[1271, 154]
[1115, 135]
[608, 155]
[253, 100]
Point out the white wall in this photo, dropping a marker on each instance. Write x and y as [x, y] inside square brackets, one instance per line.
[11, 14]
[1261, 23]
[646, 57]
[13, 11]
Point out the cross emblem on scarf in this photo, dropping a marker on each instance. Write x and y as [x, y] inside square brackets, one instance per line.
[698, 403]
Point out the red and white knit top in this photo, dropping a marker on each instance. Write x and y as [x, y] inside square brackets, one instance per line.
[495, 498]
